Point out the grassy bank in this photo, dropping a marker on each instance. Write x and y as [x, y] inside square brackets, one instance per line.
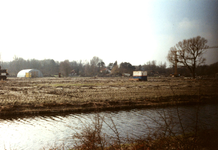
[182, 142]
[54, 95]
[194, 136]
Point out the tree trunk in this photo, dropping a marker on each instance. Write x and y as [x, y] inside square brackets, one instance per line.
[193, 72]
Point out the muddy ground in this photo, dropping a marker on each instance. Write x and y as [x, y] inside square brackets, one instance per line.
[44, 95]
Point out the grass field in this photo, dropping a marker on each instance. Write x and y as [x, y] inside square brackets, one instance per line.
[45, 95]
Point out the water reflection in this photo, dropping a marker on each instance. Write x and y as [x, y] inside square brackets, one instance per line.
[49, 131]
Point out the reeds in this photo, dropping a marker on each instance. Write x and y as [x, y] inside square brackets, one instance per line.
[171, 131]
[164, 137]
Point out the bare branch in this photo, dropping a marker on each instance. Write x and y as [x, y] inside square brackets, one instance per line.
[189, 53]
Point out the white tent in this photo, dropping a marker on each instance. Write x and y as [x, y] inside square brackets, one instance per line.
[29, 73]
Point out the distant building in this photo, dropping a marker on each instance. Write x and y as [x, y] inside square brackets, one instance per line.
[105, 70]
[141, 75]
[126, 74]
[3, 74]
[29, 73]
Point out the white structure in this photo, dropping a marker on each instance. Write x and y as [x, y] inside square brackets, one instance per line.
[141, 75]
[29, 73]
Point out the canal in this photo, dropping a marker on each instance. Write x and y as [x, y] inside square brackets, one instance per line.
[44, 132]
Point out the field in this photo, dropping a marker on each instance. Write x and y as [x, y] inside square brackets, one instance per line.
[54, 95]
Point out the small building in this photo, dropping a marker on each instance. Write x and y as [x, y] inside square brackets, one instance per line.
[29, 73]
[140, 75]
[3, 74]
[126, 74]
[105, 70]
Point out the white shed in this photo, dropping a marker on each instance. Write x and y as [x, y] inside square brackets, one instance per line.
[29, 73]
[141, 75]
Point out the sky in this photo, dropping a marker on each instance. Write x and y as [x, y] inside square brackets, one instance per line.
[134, 31]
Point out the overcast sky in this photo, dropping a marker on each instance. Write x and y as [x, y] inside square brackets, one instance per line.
[134, 31]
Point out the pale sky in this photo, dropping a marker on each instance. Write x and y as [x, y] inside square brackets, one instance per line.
[135, 31]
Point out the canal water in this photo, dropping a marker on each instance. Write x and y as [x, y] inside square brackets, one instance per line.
[44, 132]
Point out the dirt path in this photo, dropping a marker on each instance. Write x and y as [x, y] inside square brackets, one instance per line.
[43, 95]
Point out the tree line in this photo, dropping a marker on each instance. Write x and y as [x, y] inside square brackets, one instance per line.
[97, 67]
[186, 58]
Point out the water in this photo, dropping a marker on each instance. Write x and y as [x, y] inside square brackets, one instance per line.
[44, 132]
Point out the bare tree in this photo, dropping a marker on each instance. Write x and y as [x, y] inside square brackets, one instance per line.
[115, 70]
[126, 67]
[87, 69]
[65, 68]
[18, 64]
[95, 64]
[189, 53]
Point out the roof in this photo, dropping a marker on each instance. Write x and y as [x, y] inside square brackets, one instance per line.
[22, 73]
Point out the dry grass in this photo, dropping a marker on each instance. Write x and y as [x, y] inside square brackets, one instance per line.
[93, 138]
[43, 95]
[78, 94]
[194, 136]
